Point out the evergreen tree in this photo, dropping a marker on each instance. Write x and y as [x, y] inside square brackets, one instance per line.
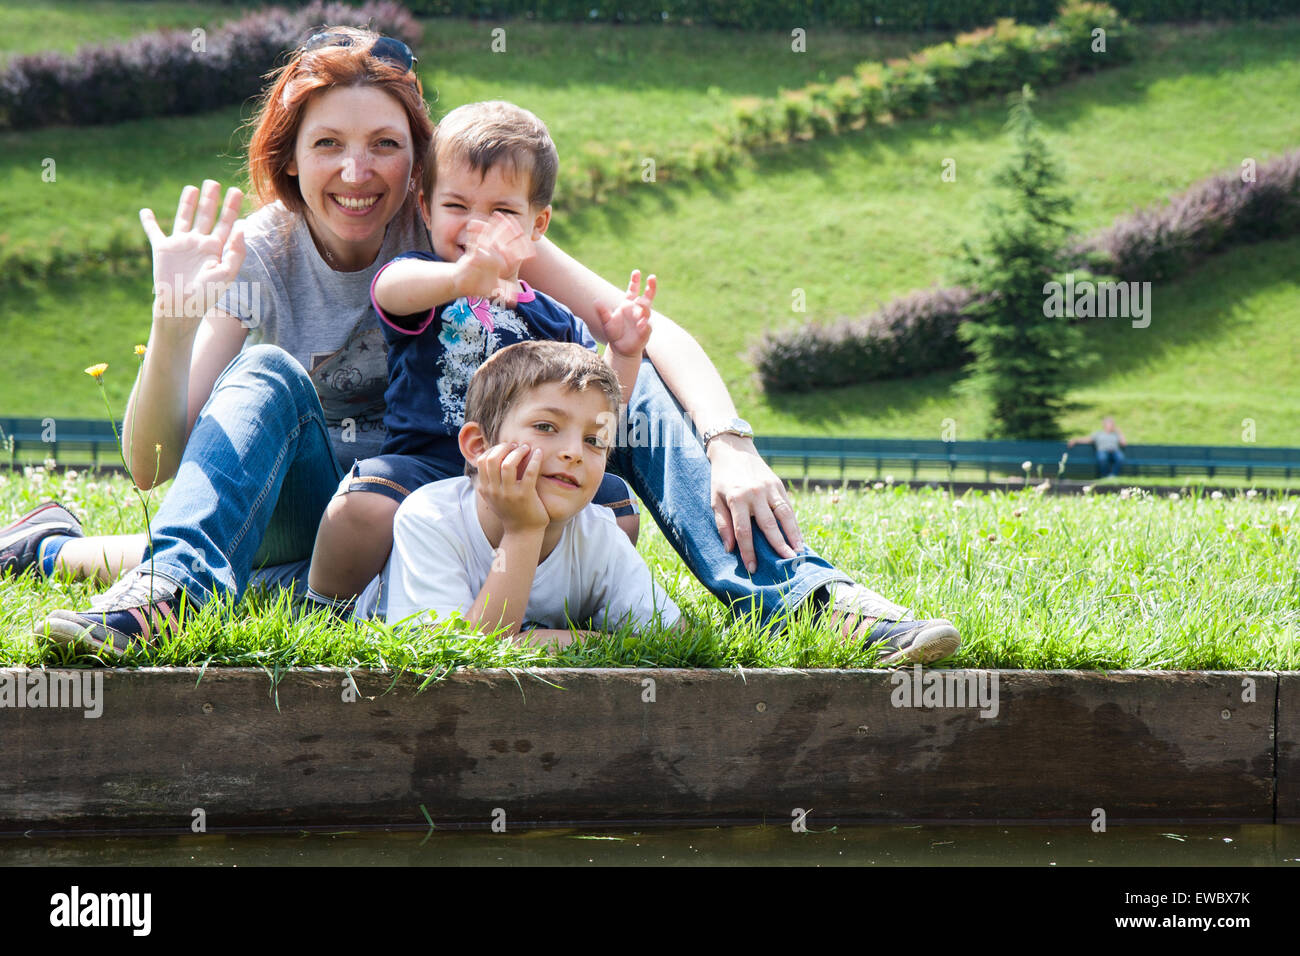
[1024, 360]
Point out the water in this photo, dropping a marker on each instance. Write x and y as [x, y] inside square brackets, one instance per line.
[988, 845]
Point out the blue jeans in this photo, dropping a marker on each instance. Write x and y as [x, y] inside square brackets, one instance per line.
[1109, 463]
[259, 470]
[253, 483]
[662, 458]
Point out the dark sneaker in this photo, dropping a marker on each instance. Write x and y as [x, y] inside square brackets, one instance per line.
[877, 622]
[134, 610]
[20, 542]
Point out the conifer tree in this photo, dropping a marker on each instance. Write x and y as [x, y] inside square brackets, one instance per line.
[1024, 359]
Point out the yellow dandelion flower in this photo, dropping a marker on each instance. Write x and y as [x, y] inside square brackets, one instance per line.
[157, 449]
[95, 371]
[140, 350]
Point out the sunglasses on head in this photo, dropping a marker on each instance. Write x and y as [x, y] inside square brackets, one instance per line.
[385, 48]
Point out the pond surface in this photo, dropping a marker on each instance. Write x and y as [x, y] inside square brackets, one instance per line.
[989, 845]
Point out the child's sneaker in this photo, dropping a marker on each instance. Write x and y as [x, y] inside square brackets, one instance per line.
[20, 542]
[134, 610]
[877, 622]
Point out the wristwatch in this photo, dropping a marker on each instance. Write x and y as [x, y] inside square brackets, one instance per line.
[732, 426]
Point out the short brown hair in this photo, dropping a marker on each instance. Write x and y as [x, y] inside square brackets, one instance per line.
[493, 133]
[508, 375]
[281, 107]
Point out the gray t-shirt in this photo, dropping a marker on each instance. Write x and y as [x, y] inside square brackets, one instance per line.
[287, 295]
[1105, 441]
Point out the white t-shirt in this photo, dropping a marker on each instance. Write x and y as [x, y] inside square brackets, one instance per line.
[441, 559]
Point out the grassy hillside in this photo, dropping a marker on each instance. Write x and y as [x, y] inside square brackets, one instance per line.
[851, 221]
[33, 26]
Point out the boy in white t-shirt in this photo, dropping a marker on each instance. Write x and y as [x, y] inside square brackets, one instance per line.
[518, 544]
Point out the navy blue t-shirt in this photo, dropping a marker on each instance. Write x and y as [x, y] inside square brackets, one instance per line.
[431, 359]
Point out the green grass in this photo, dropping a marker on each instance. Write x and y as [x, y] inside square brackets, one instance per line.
[1031, 582]
[852, 221]
[651, 86]
[656, 87]
[35, 26]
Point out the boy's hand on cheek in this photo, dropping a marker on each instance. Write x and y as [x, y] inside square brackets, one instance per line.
[507, 480]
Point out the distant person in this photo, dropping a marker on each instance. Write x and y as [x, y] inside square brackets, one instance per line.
[1108, 442]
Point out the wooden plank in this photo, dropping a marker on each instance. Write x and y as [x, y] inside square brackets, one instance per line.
[1288, 747]
[550, 746]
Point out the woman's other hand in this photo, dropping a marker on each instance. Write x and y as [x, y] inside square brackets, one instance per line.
[744, 488]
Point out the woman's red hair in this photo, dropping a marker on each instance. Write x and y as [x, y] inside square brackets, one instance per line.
[280, 110]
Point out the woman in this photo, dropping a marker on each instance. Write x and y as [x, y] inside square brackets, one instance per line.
[259, 437]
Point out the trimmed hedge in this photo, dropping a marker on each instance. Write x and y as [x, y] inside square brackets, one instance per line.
[999, 58]
[918, 332]
[1166, 240]
[837, 14]
[996, 59]
[160, 74]
[910, 335]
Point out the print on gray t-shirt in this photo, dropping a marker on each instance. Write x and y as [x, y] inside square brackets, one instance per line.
[287, 295]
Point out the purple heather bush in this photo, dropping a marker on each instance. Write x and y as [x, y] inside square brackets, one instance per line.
[160, 74]
[918, 332]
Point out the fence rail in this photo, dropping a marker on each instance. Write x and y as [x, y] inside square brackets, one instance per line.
[35, 439]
